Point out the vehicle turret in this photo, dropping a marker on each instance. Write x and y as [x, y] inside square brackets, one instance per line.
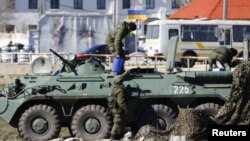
[80, 65]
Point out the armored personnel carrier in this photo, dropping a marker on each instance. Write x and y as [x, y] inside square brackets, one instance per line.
[38, 105]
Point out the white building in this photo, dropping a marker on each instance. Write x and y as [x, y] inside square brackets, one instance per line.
[20, 19]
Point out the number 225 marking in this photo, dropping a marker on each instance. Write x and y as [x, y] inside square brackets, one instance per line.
[181, 90]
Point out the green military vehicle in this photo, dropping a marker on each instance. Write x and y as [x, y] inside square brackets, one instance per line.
[39, 105]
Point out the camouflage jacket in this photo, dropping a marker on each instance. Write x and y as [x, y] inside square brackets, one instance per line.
[222, 54]
[115, 37]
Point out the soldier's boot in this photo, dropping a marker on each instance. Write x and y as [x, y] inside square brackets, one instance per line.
[112, 138]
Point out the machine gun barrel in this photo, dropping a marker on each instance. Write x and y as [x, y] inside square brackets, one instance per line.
[68, 63]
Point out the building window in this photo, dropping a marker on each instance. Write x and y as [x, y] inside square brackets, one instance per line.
[32, 4]
[175, 4]
[126, 4]
[32, 27]
[54, 4]
[9, 28]
[101, 4]
[77, 4]
[150, 4]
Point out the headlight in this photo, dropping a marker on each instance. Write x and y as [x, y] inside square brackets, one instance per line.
[71, 56]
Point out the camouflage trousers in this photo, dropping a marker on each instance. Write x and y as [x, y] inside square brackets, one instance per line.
[119, 124]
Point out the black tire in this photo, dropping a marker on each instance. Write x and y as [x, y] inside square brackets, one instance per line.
[158, 115]
[39, 122]
[184, 61]
[210, 109]
[91, 122]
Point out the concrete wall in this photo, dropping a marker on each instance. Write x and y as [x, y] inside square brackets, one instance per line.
[9, 72]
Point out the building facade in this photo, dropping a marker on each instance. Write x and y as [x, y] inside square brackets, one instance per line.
[20, 19]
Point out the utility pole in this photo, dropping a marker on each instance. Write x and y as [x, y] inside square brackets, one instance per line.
[115, 12]
[225, 9]
[42, 7]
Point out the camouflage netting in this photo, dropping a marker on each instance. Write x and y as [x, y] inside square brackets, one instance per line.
[192, 123]
[237, 109]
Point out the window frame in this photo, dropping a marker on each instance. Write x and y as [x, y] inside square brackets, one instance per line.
[33, 4]
[150, 4]
[54, 4]
[126, 4]
[78, 4]
[32, 27]
[9, 28]
[101, 4]
[175, 4]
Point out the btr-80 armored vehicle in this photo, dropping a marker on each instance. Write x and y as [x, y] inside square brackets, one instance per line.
[38, 105]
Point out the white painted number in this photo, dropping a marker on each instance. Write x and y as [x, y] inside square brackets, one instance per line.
[181, 90]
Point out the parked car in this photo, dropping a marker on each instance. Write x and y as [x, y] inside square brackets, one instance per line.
[97, 49]
[100, 49]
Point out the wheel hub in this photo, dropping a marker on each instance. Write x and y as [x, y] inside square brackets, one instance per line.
[159, 123]
[92, 125]
[39, 125]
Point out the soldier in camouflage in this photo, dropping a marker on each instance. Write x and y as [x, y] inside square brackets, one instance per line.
[223, 55]
[115, 37]
[119, 107]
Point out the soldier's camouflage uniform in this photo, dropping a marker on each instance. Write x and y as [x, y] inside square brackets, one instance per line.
[119, 108]
[115, 37]
[221, 54]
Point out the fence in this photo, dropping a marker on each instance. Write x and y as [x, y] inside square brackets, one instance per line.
[26, 57]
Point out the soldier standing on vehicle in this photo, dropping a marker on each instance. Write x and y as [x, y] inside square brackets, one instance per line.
[118, 107]
[223, 55]
[115, 37]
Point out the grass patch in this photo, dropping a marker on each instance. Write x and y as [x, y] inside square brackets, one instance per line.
[8, 133]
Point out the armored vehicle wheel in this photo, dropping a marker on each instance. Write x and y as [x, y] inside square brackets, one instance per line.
[211, 109]
[158, 115]
[91, 122]
[39, 122]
